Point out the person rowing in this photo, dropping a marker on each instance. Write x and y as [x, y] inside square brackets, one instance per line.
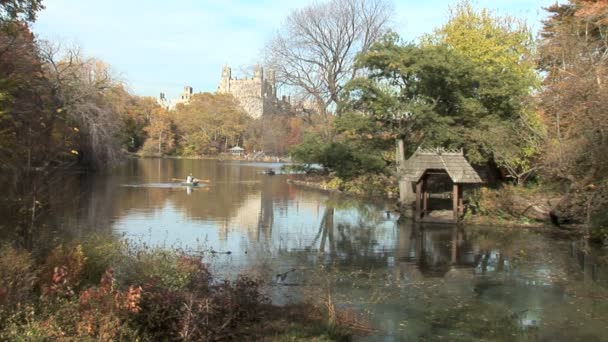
[190, 180]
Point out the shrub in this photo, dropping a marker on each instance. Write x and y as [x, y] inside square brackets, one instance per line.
[153, 295]
[62, 270]
[17, 277]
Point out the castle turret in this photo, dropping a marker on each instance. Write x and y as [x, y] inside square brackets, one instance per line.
[226, 72]
[224, 86]
[272, 77]
[259, 73]
[187, 94]
[272, 81]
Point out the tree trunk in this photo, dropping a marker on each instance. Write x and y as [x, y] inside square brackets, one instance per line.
[160, 143]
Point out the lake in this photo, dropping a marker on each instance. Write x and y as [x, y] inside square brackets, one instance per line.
[405, 281]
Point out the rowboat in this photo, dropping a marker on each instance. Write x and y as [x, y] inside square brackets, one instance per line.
[194, 183]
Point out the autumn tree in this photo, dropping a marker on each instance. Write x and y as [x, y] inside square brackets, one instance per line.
[28, 110]
[135, 113]
[574, 56]
[37, 138]
[314, 52]
[81, 86]
[161, 133]
[209, 124]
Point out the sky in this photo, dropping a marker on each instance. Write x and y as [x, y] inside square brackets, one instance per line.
[161, 46]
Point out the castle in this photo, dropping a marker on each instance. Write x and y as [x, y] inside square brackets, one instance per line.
[184, 98]
[256, 95]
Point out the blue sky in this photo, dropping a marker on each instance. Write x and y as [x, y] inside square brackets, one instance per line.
[159, 46]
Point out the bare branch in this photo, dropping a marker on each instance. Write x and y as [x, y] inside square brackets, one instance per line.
[315, 51]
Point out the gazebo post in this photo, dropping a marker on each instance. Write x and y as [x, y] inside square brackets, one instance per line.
[418, 198]
[455, 200]
[425, 196]
[460, 201]
[454, 245]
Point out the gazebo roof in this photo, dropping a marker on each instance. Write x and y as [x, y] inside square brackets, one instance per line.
[452, 161]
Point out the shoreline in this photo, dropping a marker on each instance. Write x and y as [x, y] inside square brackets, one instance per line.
[220, 158]
[566, 231]
[320, 183]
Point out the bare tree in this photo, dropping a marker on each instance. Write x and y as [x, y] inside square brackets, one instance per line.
[80, 86]
[314, 52]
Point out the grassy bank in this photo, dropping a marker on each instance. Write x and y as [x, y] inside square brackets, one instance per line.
[107, 290]
[367, 185]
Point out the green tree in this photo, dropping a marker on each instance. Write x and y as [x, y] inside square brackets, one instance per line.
[427, 95]
[19, 10]
[473, 76]
[502, 46]
[357, 149]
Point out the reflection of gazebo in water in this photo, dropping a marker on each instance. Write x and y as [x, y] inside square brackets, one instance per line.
[438, 162]
[434, 250]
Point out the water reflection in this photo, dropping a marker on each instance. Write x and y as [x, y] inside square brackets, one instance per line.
[416, 282]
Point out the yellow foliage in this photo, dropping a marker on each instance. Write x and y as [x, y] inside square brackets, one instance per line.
[494, 42]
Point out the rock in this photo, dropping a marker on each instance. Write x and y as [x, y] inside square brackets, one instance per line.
[535, 208]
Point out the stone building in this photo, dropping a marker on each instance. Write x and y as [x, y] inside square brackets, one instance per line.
[184, 98]
[257, 95]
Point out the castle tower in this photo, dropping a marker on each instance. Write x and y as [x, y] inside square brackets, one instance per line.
[224, 86]
[187, 94]
[272, 82]
[272, 77]
[259, 73]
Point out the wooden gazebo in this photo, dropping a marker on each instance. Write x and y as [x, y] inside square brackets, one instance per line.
[237, 150]
[426, 162]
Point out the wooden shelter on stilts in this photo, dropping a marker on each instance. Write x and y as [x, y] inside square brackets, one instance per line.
[415, 172]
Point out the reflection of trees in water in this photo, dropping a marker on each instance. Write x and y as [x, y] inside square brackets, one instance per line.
[65, 208]
[458, 282]
[327, 230]
[25, 204]
[230, 187]
[419, 251]
[347, 241]
[268, 196]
